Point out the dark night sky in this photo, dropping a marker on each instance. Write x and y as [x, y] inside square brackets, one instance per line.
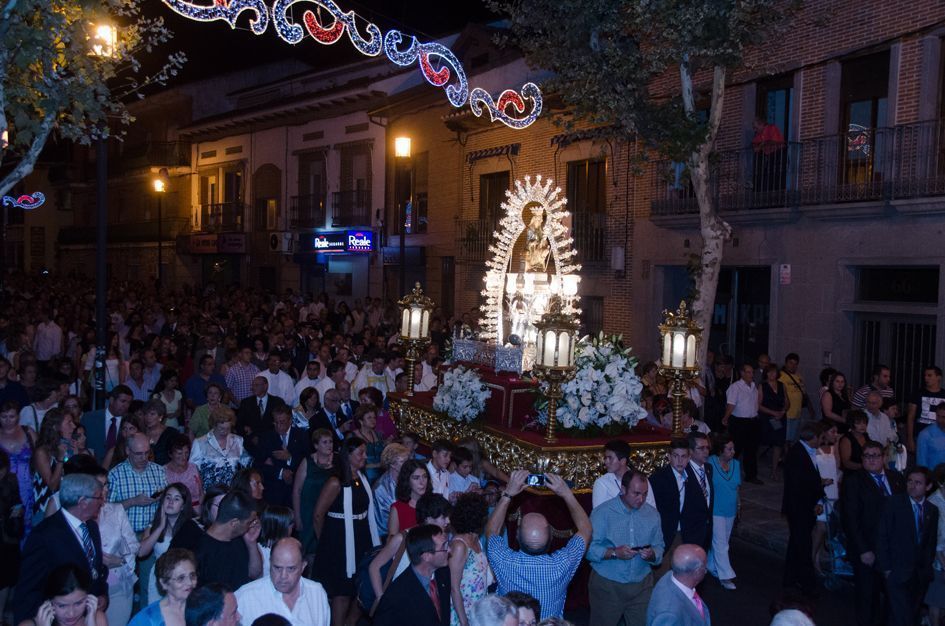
[213, 47]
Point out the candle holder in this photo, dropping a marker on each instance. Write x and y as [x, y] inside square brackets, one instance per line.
[416, 309]
[554, 356]
[680, 337]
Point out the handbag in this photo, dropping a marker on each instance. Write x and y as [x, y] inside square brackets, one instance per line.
[362, 576]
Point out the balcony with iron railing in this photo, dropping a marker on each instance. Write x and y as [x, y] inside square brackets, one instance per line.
[860, 166]
[307, 211]
[473, 238]
[351, 208]
[222, 217]
[151, 154]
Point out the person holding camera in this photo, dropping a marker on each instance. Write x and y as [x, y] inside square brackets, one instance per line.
[626, 544]
[533, 569]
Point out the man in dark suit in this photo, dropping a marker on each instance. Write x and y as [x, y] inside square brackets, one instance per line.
[905, 547]
[863, 494]
[685, 515]
[420, 596]
[280, 452]
[68, 536]
[331, 418]
[254, 415]
[102, 427]
[803, 491]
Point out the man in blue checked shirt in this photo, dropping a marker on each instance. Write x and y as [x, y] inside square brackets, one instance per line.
[627, 543]
[532, 569]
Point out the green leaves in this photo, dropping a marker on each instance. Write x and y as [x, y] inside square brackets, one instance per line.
[47, 66]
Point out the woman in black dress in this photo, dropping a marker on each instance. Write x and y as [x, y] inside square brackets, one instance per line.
[852, 442]
[835, 401]
[773, 404]
[344, 536]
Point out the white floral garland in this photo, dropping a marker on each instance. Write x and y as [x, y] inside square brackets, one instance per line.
[462, 395]
[605, 390]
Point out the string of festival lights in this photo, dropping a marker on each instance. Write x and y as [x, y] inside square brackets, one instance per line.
[438, 65]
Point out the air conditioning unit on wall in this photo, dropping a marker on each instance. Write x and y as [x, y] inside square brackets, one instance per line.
[281, 242]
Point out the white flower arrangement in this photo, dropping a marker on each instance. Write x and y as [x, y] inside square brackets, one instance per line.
[605, 391]
[462, 395]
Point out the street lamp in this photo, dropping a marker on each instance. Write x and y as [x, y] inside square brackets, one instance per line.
[679, 337]
[401, 154]
[160, 187]
[554, 355]
[415, 311]
[105, 40]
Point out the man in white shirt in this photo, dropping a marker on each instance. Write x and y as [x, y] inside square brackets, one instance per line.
[741, 417]
[880, 427]
[308, 379]
[616, 462]
[280, 383]
[395, 367]
[373, 374]
[47, 342]
[283, 591]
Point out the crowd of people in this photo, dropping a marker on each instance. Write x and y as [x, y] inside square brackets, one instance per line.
[245, 467]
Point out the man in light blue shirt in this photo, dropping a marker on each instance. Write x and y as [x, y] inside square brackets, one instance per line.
[626, 543]
[930, 447]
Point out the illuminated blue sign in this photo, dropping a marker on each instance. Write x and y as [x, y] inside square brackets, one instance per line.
[359, 241]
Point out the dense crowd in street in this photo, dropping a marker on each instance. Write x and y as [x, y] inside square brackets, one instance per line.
[246, 468]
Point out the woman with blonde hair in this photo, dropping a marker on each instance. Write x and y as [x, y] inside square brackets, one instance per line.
[219, 454]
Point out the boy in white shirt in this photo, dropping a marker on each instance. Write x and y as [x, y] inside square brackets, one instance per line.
[462, 479]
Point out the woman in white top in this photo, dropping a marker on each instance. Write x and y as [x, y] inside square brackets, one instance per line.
[828, 464]
[219, 454]
[175, 510]
[170, 395]
[119, 549]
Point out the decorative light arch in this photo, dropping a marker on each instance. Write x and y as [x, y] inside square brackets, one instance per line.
[511, 228]
[438, 65]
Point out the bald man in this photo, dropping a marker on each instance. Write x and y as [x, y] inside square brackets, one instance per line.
[532, 569]
[675, 601]
[283, 591]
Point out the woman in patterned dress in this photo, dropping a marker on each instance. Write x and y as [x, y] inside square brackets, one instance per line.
[470, 575]
[219, 454]
[17, 442]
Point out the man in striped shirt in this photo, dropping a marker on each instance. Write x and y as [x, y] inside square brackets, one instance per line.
[239, 378]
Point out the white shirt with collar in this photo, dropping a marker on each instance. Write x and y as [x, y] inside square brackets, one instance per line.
[697, 469]
[744, 397]
[607, 487]
[260, 597]
[76, 525]
[280, 385]
[689, 592]
[879, 428]
[439, 480]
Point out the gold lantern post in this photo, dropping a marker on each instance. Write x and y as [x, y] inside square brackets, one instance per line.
[415, 311]
[554, 355]
[679, 337]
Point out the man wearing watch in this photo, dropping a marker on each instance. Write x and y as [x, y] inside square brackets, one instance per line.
[626, 543]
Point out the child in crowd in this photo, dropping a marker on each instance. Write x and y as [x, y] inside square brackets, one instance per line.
[462, 478]
[411, 441]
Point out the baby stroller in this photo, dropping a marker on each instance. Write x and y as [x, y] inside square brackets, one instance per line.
[838, 568]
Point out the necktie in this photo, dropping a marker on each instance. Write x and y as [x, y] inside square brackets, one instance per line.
[285, 440]
[881, 481]
[435, 597]
[703, 484]
[261, 410]
[334, 423]
[88, 545]
[918, 522]
[698, 602]
[112, 434]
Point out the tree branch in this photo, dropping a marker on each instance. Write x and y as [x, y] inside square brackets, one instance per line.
[26, 164]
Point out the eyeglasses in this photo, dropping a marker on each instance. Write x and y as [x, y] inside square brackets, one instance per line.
[182, 578]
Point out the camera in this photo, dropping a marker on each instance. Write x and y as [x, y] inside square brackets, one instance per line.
[535, 480]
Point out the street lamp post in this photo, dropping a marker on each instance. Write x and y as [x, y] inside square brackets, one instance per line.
[401, 154]
[160, 187]
[679, 337]
[106, 36]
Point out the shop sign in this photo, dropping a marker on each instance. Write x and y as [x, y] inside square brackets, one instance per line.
[360, 241]
[330, 241]
[203, 244]
[232, 243]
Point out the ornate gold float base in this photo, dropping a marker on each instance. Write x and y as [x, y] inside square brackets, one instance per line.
[582, 464]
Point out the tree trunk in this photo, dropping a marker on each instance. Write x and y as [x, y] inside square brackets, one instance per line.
[715, 231]
[26, 164]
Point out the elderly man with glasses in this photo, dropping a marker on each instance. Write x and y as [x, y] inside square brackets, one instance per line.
[70, 536]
